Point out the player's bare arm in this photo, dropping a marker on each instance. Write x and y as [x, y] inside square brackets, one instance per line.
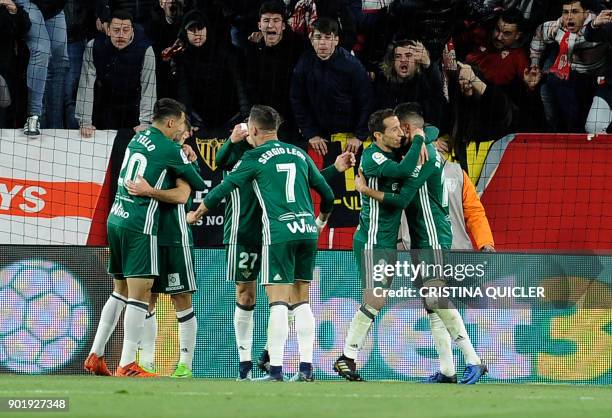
[176, 196]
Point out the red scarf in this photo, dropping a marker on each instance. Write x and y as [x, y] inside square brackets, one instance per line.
[562, 64]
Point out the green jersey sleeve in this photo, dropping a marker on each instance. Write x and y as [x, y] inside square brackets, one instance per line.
[378, 165]
[317, 182]
[330, 172]
[244, 172]
[412, 185]
[230, 153]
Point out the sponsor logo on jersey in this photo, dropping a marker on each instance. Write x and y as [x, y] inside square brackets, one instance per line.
[379, 158]
[208, 150]
[301, 227]
[277, 278]
[117, 210]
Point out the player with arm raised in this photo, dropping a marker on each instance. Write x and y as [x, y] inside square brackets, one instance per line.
[430, 233]
[396, 181]
[242, 240]
[281, 176]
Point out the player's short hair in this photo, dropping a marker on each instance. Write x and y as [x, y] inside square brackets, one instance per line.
[265, 118]
[376, 122]
[122, 15]
[513, 16]
[410, 112]
[167, 108]
[275, 7]
[326, 26]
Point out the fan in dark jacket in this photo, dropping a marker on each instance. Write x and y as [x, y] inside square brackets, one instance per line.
[209, 82]
[162, 29]
[270, 64]
[330, 91]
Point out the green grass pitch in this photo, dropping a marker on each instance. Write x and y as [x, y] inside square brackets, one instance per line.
[91, 396]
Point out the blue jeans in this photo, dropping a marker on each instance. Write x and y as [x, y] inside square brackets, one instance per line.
[75, 57]
[48, 62]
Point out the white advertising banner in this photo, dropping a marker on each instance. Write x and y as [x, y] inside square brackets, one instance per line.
[50, 185]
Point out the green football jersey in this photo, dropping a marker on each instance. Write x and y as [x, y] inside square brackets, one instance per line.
[155, 157]
[378, 223]
[399, 179]
[173, 230]
[281, 176]
[242, 222]
[428, 216]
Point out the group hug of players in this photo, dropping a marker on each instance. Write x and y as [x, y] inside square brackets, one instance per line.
[270, 232]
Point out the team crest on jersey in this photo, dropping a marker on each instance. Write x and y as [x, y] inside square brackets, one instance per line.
[208, 150]
[173, 279]
[379, 158]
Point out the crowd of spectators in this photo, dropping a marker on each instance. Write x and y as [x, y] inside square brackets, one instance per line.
[480, 69]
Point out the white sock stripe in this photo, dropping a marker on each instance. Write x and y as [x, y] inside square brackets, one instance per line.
[119, 297]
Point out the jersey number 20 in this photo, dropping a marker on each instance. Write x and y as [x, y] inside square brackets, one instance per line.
[136, 165]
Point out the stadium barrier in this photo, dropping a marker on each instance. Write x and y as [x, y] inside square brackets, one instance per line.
[51, 297]
[540, 191]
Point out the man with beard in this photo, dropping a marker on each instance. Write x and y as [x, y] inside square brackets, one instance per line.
[406, 76]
